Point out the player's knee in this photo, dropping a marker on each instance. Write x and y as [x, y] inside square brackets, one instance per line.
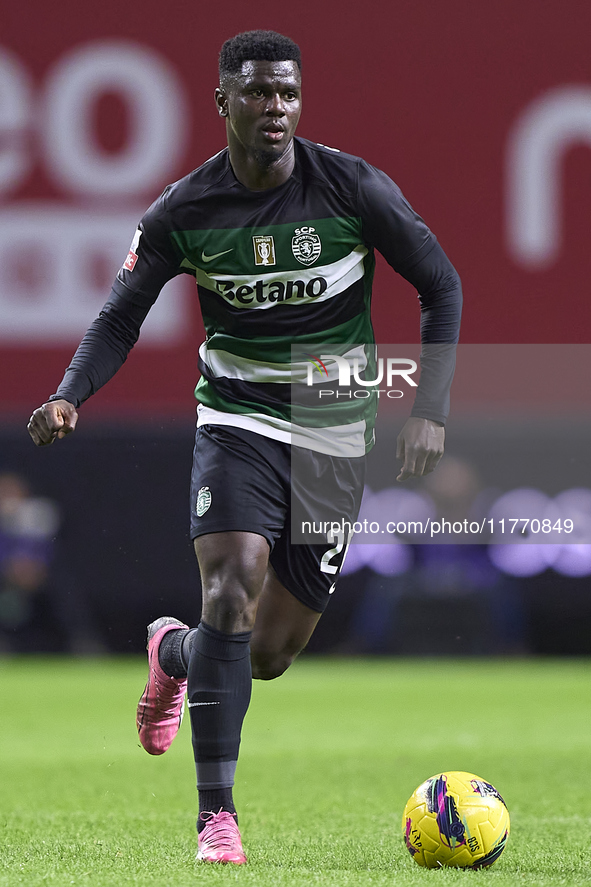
[267, 665]
[228, 607]
[231, 584]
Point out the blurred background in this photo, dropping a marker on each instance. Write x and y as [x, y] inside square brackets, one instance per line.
[482, 115]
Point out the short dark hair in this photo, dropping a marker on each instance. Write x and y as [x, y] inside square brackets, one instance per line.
[255, 46]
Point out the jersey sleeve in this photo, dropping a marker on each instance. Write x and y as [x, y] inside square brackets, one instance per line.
[389, 222]
[152, 260]
[150, 263]
[392, 226]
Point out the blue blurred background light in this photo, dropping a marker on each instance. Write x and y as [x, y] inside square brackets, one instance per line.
[391, 509]
[521, 558]
[573, 560]
[568, 553]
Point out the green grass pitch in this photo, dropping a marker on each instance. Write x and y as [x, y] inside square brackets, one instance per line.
[330, 754]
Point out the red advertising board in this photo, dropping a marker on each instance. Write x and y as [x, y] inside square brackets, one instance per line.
[480, 112]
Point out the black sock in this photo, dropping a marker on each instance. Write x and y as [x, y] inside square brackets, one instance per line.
[214, 800]
[174, 651]
[219, 691]
[187, 642]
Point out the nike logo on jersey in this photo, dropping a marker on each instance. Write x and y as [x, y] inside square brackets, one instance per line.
[205, 258]
[194, 704]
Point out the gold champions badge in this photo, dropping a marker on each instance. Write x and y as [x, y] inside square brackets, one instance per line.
[264, 249]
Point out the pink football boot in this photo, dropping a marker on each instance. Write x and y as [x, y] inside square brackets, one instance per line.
[161, 707]
[220, 839]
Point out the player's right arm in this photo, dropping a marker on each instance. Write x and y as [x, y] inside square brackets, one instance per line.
[115, 331]
[101, 353]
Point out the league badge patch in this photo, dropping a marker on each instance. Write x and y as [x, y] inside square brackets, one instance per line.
[129, 263]
[306, 245]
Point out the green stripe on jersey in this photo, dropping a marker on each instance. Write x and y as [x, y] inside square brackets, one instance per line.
[289, 247]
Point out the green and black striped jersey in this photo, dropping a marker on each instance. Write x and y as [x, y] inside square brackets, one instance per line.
[281, 271]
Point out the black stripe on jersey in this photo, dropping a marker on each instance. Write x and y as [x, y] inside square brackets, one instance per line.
[268, 394]
[286, 319]
[279, 400]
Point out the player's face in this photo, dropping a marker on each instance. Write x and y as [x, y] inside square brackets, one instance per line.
[262, 106]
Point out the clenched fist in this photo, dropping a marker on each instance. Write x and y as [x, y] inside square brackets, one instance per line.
[52, 421]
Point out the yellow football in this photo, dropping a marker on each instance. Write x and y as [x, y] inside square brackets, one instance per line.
[455, 819]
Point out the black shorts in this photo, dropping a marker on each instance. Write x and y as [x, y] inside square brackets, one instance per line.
[242, 481]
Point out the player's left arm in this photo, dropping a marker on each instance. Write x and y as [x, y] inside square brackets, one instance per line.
[400, 234]
[420, 444]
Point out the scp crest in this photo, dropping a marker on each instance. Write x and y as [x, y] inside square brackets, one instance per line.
[306, 245]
